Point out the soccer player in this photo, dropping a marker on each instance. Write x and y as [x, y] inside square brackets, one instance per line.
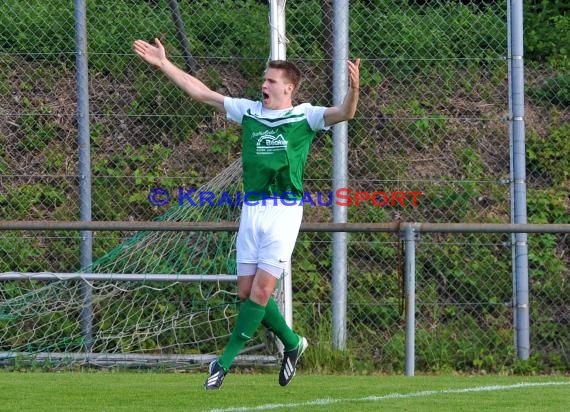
[276, 137]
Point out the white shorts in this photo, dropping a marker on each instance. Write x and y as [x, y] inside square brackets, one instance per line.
[266, 237]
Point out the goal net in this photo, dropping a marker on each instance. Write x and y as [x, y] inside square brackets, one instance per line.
[177, 314]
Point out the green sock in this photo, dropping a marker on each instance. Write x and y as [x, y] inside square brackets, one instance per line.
[275, 322]
[248, 320]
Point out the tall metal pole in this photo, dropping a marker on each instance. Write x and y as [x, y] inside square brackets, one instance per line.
[409, 237]
[511, 176]
[340, 174]
[519, 210]
[86, 245]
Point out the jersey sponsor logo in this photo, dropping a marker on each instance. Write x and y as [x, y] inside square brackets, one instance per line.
[269, 143]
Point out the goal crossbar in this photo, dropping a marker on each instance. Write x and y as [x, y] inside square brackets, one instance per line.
[126, 277]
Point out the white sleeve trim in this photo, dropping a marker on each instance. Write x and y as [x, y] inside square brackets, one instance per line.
[235, 108]
[316, 117]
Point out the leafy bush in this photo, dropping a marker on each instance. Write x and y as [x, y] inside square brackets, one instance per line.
[547, 31]
[553, 90]
[548, 156]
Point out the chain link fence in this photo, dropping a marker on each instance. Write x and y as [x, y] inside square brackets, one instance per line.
[433, 119]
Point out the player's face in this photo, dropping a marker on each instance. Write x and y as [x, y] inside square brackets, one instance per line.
[276, 90]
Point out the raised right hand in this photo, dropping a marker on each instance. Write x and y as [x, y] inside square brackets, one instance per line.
[154, 55]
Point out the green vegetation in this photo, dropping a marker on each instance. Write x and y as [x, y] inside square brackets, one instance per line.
[397, 126]
[547, 32]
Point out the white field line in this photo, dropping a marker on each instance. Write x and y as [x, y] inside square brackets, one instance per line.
[394, 395]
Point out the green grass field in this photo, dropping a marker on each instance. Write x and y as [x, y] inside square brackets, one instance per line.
[122, 391]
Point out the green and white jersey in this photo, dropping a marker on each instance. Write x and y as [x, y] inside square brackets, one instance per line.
[275, 145]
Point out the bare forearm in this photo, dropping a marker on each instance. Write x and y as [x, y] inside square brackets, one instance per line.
[190, 84]
[345, 110]
[348, 107]
[156, 56]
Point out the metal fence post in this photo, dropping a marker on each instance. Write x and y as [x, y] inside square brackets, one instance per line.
[86, 246]
[340, 175]
[181, 34]
[519, 211]
[409, 233]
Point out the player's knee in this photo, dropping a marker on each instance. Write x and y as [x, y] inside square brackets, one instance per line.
[261, 294]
